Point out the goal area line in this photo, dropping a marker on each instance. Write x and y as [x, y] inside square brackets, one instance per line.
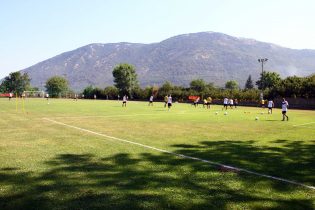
[182, 155]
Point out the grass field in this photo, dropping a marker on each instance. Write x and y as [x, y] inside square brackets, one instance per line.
[83, 155]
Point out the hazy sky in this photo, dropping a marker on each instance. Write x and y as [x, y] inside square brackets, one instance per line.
[34, 30]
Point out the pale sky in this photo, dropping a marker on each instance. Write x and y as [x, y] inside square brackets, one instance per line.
[34, 30]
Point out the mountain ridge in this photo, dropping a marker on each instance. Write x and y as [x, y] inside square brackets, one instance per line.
[212, 56]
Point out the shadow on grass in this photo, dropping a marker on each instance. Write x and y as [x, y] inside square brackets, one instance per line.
[293, 160]
[163, 181]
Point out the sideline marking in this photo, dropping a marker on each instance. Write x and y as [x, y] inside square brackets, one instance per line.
[184, 156]
[303, 124]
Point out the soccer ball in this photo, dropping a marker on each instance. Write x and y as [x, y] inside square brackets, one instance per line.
[256, 118]
[216, 113]
[225, 113]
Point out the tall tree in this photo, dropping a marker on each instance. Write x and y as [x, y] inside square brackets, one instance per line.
[125, 78]
[249, 83]
[56, 85]
[198, 85]
[232, 85]
[268, 80]
[16, 83]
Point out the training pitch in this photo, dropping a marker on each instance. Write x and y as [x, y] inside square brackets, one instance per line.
[94, 154]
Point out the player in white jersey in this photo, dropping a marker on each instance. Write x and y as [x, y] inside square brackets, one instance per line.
[196, 102]
[169, 102]
[151, 100]
[270, 106]
[231, 103]
[225, 103]
[124, 101]
[285, 106]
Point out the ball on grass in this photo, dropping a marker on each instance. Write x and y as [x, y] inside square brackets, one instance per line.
[216, 113]
[225, 113]
[256, 118]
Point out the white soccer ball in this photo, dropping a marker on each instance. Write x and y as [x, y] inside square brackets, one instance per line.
[216, 113]
[225, 113]
[256, 118]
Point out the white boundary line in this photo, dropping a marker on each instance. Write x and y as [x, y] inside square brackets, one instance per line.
[304, 124]
[184, 156]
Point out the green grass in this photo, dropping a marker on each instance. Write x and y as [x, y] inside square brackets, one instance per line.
[44, 165]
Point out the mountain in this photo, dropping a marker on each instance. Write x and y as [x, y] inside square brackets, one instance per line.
[215, 57]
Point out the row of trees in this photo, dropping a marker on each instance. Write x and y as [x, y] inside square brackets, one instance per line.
[125, 79]
[17, 83]
[126, 83]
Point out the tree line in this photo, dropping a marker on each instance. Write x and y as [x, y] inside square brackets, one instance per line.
[126, 83]
[270, 83]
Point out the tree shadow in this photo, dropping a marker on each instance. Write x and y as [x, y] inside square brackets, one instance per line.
[293, 160]
[164, 181]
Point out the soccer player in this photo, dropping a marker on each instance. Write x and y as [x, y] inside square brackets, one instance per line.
[10, 96]
[209, 102]
[263, 103]
[75, 97]
[285, 106]
[47, 96]
[270, 106]
[225, 103]
[205, 103]
[235, 103]
[231, 103]
[94, 96]
[169, 102]
[151, 100]
[196, 102]
[165, 100]
[124, 101]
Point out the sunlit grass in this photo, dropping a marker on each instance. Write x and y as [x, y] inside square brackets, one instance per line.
[45, 165]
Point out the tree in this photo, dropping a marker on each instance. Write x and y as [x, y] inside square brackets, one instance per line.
[125, 78]
[56, 86]
[249, 83]
[166, 89]
[268, 80]
[16, 83]
[111, 92]
[293, 86]
[309, 86]
[198, 85]
[2, 88]
[231, 85]
[88, 92]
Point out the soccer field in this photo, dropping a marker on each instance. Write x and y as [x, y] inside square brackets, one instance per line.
[93, 154]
